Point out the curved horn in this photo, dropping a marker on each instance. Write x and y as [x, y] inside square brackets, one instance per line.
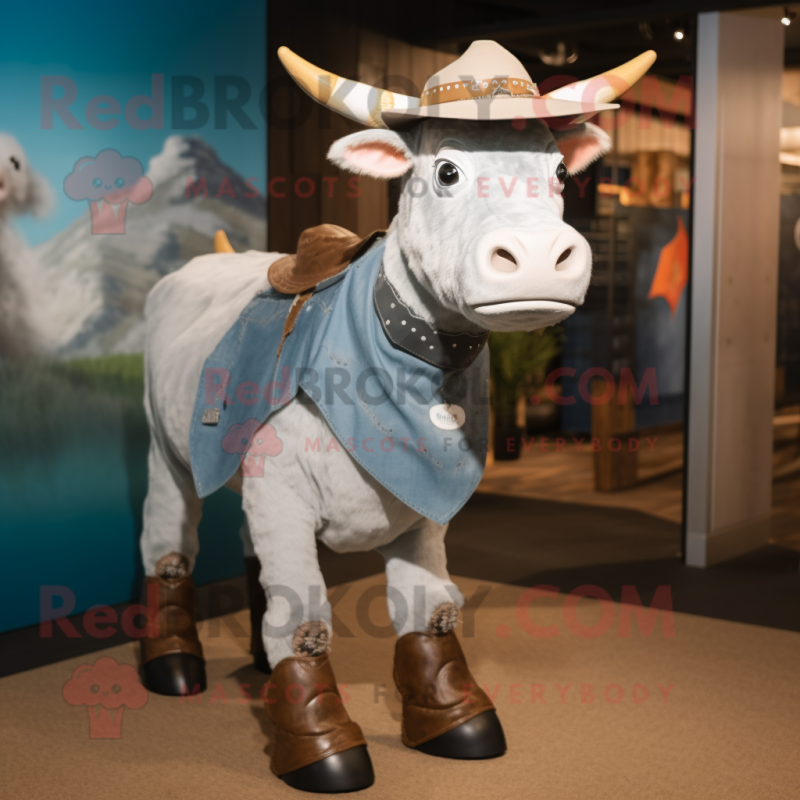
[351, 99]
[221, 243]
[609, 85]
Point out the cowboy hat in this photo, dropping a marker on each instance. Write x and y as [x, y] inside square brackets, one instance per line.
[486, 83]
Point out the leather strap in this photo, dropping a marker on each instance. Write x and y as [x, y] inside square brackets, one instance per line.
[311, 722]
[438, 690]
[414, 335]
[291, 317]
[177, 628]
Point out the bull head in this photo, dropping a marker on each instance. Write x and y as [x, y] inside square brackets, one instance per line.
[479, 241]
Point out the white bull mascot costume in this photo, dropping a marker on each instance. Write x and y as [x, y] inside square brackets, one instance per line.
[343, 391]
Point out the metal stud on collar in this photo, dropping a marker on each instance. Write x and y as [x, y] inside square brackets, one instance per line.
[413, 334]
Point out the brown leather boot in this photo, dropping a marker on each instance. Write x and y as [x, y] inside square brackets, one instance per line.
[172, 659]
[445, 712]
[258, 607]
[317, 747]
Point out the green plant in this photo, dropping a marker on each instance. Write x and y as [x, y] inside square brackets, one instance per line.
[514, 359]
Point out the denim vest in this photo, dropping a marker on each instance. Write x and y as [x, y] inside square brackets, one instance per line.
[419, 430]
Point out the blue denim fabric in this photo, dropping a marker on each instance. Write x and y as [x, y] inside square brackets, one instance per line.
[374, 396]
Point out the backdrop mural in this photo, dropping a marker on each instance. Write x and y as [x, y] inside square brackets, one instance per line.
[128, 136]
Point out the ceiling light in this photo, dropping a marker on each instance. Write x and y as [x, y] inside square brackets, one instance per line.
[560, 57]
[679, 34]
[788, 17]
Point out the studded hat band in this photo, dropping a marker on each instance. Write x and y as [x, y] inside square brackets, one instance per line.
[476, 89]
[414, 335]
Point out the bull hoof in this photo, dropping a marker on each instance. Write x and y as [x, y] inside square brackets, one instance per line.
[261, 663]
[479, 737]
[175, 674]
[348, 771]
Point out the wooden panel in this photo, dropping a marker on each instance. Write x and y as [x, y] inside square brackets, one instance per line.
[399, 69]
[298, 150]
[612, 420]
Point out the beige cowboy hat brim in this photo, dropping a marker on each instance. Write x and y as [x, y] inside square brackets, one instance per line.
[495, 108]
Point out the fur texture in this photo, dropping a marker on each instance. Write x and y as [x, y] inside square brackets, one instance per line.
[377, 153]
[22, 191]
[582, 146]
[431, 258]
[508, 182]
[172, 566]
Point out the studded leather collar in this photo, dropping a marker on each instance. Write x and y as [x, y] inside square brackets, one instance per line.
[414, 335]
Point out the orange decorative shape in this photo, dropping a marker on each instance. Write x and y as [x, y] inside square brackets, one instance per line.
[672, 272]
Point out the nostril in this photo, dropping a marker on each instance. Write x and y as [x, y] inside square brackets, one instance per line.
[503, 261]
[564, 256]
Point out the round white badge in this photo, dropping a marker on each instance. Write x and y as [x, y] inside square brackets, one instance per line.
[448, 417]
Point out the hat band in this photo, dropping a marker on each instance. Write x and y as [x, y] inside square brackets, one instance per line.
[471, 89]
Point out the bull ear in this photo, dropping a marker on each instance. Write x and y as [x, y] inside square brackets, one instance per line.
[582, 145]
[39, 199]
[377, 153]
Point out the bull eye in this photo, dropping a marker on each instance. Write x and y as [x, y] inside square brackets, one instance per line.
[561, 172]
[447, 174]
[15, 161]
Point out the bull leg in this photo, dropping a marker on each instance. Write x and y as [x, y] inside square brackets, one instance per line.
[171, 654]
[440, 716]
[422, 597]
[317, 747]
[257, 600]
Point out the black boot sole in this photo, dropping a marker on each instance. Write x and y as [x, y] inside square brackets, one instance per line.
[175, 674]
[348, 771]
[479, 737]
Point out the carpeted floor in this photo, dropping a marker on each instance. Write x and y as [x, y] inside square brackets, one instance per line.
[531, 542]
[714, 714]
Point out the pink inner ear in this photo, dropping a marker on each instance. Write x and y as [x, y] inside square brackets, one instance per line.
[579, 152]
[379, 159]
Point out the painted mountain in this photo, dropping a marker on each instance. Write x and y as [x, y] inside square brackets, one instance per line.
[97, 284]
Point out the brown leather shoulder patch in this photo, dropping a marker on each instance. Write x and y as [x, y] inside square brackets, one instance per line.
[322, 252]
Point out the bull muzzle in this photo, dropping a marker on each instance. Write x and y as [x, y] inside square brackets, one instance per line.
[529, 279]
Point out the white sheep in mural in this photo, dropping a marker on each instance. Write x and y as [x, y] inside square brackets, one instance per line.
[22, 191]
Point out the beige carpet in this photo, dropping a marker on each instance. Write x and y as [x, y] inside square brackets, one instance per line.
[730, 726]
